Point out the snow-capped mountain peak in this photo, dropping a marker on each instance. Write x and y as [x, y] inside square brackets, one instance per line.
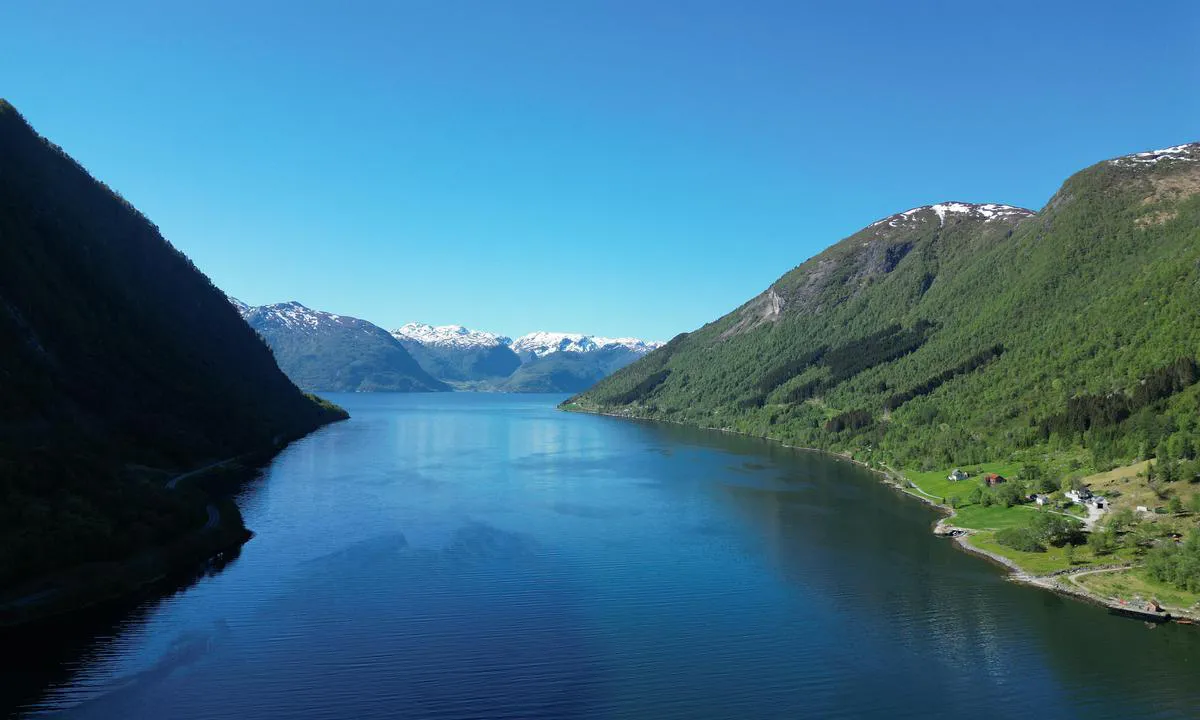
[455, 336]
[1189, 152]
[988, 212]
[538, 344]
[291, 315]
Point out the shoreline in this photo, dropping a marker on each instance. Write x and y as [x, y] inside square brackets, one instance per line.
[87, 587]
[1050, 582]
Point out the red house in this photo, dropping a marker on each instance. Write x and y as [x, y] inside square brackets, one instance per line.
[992, 479]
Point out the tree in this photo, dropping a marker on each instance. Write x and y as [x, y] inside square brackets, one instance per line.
[1054, 529]
[1121, 520]
[1008, 494]
[1020, 538]
[1069, 553]
[1177, 565]
[1030, 472]
[1102, 542]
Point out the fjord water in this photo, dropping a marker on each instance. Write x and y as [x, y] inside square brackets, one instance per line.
[486, 556]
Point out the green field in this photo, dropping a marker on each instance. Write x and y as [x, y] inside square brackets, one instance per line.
[1129, 585]
[972, 516]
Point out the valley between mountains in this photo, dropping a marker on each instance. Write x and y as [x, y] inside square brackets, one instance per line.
[324, 352]
[1020, 369]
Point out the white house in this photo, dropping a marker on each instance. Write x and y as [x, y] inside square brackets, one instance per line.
[957, 475]
[1041, 499]
[1082, 496]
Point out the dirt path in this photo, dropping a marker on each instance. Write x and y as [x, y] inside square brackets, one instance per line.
[1074, 577]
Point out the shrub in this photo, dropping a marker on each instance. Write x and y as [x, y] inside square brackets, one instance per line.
[1055, 529]
[1020, 538]
[1102, 542]
[1177, 565]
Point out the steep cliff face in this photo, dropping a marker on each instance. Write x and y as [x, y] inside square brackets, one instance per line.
[119, 356]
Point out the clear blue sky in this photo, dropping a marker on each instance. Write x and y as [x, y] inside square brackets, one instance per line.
[621, 168]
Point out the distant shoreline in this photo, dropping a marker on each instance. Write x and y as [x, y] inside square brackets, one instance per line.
[1016, 573]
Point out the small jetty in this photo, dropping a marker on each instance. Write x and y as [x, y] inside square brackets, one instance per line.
[1151, 612]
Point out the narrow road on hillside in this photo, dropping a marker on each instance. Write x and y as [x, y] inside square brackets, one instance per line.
[214, 516]
[175, 480]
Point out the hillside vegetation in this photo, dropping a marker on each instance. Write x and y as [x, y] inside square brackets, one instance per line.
[566, 371]
[958, 334]
[122, 365]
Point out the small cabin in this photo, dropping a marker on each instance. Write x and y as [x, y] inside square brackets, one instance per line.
[994, 479]
[1041, 499]
[957, 475]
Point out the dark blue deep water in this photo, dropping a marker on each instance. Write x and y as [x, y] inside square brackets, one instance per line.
[486, 556]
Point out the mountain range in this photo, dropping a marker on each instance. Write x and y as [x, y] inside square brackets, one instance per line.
[325, 352]
[537, 362]
[958, 332]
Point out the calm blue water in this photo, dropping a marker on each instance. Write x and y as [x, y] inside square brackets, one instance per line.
[485, 556]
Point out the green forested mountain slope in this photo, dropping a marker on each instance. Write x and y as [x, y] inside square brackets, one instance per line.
[564, 372]
[118, 356]
[958, 333]
[324, 352]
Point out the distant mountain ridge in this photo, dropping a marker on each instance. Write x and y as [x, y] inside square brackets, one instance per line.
[449, 336]
[454, 354]
[327, 352]
[540, 344]
[537, 362]
[324, 351]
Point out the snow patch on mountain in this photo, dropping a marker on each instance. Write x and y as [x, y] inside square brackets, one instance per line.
[987, 211]
[535, 344]
[455, 336]
[1189, 152]
[295, 316]
[238, 305]
[540, 344]
[292, 315]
